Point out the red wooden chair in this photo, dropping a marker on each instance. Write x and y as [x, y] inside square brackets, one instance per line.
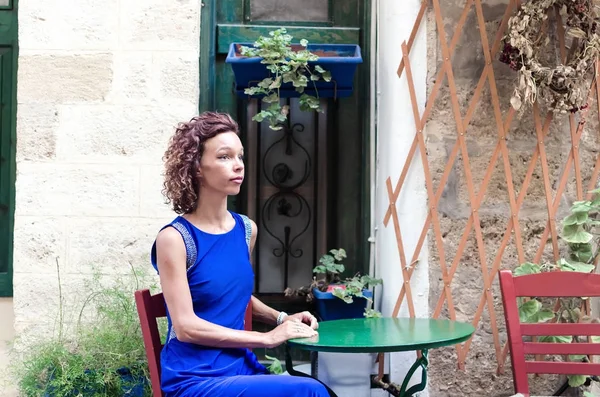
[150, 308]
[548, 284]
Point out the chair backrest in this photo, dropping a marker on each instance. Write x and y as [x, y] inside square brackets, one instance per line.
[150, 308]
[555, 285]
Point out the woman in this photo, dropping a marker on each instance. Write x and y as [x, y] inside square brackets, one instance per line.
[203, 260]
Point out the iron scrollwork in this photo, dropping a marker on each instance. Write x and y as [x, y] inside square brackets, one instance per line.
[287, 202]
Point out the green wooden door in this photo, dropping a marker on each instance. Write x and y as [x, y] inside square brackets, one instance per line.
[8, 59]
[344, 132]
[6, 172]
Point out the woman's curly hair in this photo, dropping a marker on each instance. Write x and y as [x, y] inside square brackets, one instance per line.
[182, 158]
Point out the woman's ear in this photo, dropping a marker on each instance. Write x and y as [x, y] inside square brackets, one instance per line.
[198, 170]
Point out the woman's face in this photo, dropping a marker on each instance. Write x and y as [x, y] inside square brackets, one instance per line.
[222, 164]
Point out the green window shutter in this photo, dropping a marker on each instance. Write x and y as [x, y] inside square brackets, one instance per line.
[7, 169]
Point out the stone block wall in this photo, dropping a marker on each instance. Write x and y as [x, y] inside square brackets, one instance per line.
[480, 376]
[101, 86]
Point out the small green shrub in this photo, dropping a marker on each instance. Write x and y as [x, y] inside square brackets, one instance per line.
[92, 361]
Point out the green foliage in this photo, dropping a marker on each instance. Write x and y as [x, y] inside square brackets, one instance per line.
[577, 380]
[531, 312]
[354, 287]
[90, 362]
[285, 66]
[346, 289]
[275, 367]
[329, 267]
[372, 313]
[527, 268]
[580, 231]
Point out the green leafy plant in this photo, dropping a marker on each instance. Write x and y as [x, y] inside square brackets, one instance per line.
[345, 289]
[330, 266]
[286, 65]
[580, 230]
[275, 367]
[103, 356]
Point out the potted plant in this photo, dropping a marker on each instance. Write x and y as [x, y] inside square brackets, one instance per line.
[272, 68]
[103, 356]
[338, 298]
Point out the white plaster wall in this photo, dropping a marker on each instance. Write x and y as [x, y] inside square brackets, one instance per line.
[101, 86]
[395, 132]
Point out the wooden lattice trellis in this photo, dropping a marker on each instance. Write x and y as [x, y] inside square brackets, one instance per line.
[476, 196]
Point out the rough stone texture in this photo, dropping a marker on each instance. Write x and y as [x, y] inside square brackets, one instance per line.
[156, 24]
[88, 25]
[64, 78]
[480, 376]
[84, 190]
[133, 78]
[110, 247]
[95, 112]
[45, 311]
[152, 202]
[38, 125]
[38, 243]
[123, 133]
[177, 75]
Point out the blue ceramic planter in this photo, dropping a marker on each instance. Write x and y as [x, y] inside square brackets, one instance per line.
[330, 307]
[339, 59]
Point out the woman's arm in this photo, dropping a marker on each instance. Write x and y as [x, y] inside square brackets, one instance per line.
[171, 256]
[263, 313]
[267, 315]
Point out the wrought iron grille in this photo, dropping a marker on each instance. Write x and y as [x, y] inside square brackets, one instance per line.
[286, 172]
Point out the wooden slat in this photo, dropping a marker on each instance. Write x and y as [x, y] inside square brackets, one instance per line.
[428, 184]
[572, 126]
[546, 179]
[561, 348]
[432, 96]
[560, 329]
[411, 307]
[558, 284]
[413, 33]
[545, 367]
[468, 180]
[157, 302]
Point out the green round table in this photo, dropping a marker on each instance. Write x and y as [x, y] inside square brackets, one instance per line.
[383, 335]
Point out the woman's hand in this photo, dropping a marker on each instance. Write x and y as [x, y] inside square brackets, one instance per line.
[304, 317]
[289, 329]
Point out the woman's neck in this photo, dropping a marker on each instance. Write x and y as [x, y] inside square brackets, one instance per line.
[211, 210]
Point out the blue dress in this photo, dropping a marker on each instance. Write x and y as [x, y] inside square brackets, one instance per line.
[221, 279]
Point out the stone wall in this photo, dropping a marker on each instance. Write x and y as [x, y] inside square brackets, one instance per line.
[480, 376]
[101, 86]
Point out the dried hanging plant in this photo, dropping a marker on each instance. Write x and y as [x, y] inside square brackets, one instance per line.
[564, 87]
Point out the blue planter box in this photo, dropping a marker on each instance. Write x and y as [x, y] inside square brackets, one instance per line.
[331, 308]
[339, 59]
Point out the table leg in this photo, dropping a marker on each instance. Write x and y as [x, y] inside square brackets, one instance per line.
[421, 362]
[314, 364]
[290, 369]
